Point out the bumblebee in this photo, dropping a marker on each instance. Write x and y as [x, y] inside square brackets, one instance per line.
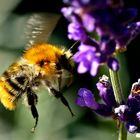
[41, 64]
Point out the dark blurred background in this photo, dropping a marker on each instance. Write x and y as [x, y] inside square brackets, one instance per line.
[55, 122]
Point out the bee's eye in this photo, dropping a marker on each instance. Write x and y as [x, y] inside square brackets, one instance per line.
[41, 63]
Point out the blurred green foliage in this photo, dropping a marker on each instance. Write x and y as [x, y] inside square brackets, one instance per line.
[55, 121]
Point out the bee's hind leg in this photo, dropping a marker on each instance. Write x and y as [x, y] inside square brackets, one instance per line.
[60, 96]
[32, 100]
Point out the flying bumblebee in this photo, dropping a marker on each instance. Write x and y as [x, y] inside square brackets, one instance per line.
[41, 64]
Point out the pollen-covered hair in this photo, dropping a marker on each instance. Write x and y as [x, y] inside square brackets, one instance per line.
[43, 52]
[49, 57]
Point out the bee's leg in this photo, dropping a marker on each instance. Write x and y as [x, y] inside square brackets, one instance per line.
[59, 95]
[32, 100]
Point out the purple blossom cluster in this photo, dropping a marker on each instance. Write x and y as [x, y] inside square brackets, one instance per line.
[86, 98]
[128, 112]
[110, 20]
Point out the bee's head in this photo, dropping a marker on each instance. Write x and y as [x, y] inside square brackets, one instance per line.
[62, 62]
[46, 56]
[49, 58]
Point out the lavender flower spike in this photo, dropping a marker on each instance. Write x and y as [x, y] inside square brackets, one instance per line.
[86, 98]
[130, 111]
[110, 20]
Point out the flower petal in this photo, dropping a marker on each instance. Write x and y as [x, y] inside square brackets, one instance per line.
[94, 68]
[86, 99]
[131, 127]
[122, 112]
[76, 31]
[88, 22]
[138, 115]
[82, 68]
[113, 64]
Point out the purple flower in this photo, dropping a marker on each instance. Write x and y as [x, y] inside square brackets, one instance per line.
[130, 111]
[67, 12]
[105, 91]
[76, 32]
[107, 46]
[132, 127]
[138, 116]
[86, 98]
[106, 18]
[134, 29]
[113, 64]
[122, 112]
[88, 22]
[88, 59]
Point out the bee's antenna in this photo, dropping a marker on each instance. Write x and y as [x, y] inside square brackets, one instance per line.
[73, 45]
[70, 49]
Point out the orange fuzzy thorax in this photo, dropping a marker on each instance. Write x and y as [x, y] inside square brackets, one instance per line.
[42, 51]
[46, 52]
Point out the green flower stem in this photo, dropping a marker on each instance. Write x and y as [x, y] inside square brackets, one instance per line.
[119, 98]
[122, 132]
[116, 86]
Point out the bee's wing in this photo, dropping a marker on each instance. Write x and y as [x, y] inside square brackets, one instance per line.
[39, 27]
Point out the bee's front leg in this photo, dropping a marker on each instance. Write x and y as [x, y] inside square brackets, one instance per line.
[60, 96]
